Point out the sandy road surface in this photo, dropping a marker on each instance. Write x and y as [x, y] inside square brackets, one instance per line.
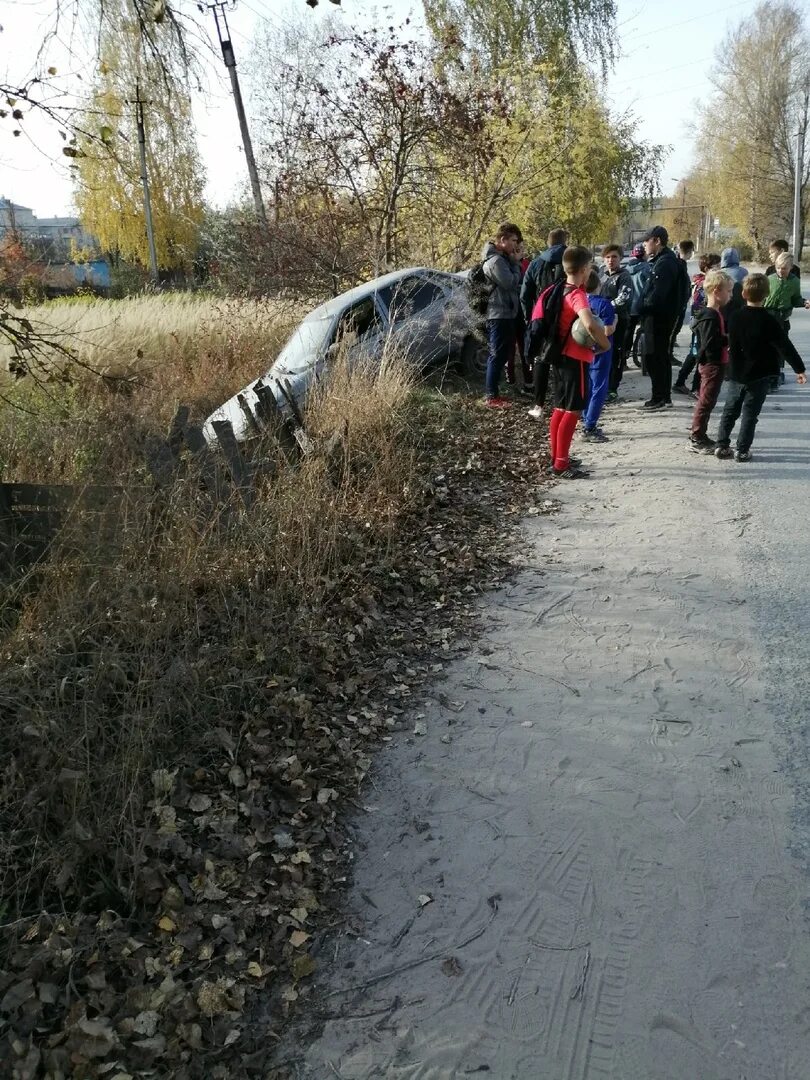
[610, 808]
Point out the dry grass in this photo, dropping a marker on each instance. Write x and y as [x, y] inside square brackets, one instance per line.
[125, 338]
[153, 352]
[120, 663]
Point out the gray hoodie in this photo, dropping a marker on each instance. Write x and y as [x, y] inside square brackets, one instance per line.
[505, 276]
[730, 262]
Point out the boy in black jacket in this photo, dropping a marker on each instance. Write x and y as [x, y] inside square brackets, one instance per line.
[757, 341]
[712, 353]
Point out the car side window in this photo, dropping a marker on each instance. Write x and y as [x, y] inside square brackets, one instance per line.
[358, 322]
[411, 296]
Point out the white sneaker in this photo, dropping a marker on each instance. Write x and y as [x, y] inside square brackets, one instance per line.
[536, 412]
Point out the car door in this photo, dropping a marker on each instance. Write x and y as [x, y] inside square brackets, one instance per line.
[417, 319]
[359, 333]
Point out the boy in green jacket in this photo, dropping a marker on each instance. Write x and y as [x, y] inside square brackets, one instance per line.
[785, 295]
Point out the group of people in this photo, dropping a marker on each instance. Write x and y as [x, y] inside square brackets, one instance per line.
[559, 321]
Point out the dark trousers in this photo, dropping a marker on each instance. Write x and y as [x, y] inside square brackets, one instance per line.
[711, 379]
[619, 355]
[689, 365]
[673, 340]
[658, 365]
[745, 398]
[541, 376]
[519, 351]
[501, 338]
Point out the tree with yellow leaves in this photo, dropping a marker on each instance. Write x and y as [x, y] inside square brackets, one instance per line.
[109, 195]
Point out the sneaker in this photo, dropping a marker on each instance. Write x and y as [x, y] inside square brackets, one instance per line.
[656, 406]
[680, 388]
[571, 473]
[594, 435]
[742, 455]
[723, 452]
[537, 412]
[702, 445]
[498, 403]
[612, 397]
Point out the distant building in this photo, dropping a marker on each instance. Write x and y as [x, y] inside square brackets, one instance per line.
[54, 237]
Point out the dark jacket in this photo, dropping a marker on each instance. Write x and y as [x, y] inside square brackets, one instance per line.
[664, 297]
[505, 277]
[618, 288]
[757, 341]
[639, 271]
[542, 272]
[711, 340]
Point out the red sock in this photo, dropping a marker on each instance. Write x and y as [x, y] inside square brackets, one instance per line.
[565, 433]
[553, 427]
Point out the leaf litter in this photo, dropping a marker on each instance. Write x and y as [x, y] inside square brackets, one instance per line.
[244, 852]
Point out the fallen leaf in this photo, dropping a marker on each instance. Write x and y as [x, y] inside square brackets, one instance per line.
[96, 1037]
[451, 966]
[424, 899]
[212, 999]
[255, 969]
[199, 803]
[17, 995]
[146, 1023]
[302, 966]
[297, 938]
[237, 777]
[167, 924]
[163, 781]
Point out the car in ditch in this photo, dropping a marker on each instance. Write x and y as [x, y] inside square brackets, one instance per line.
[422, 314]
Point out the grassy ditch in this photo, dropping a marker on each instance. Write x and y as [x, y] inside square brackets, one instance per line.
[186, 716]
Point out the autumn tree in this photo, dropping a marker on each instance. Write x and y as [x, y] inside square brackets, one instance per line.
[746, 141]
[396, 149]
[502, 33]
[109, 194]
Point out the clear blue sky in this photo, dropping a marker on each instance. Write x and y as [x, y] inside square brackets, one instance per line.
[665, 48]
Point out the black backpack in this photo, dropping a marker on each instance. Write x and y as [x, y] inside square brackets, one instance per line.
[479, 289]
[543, 337]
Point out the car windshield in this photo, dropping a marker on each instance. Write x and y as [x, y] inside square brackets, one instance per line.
[302, 350]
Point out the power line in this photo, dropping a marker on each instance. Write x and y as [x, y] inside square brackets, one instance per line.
[703, 17]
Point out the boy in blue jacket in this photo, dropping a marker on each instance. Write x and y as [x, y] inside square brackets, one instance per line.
[601, 369]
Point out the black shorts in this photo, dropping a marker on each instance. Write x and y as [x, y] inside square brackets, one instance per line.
[570, 381]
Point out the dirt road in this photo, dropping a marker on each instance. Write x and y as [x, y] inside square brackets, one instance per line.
[593, 863]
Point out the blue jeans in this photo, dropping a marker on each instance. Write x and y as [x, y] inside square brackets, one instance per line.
[501, 337]
[600, 369]
[745, 398]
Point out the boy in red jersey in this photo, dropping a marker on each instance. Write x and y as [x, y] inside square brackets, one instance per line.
[569, 368]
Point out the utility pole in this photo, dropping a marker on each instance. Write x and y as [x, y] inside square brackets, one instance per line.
[220, 18]
[797, 196]
[147, 202]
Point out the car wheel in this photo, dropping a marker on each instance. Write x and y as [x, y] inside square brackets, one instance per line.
[473, 358]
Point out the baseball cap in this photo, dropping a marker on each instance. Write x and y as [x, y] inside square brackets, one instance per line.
[639, 252]
[658, 232]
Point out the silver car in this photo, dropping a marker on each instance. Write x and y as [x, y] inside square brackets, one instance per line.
[424, 314]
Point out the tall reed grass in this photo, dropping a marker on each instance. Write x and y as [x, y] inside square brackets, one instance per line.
[122, 660]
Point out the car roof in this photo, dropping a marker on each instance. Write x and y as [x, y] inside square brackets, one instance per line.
[360, 292]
